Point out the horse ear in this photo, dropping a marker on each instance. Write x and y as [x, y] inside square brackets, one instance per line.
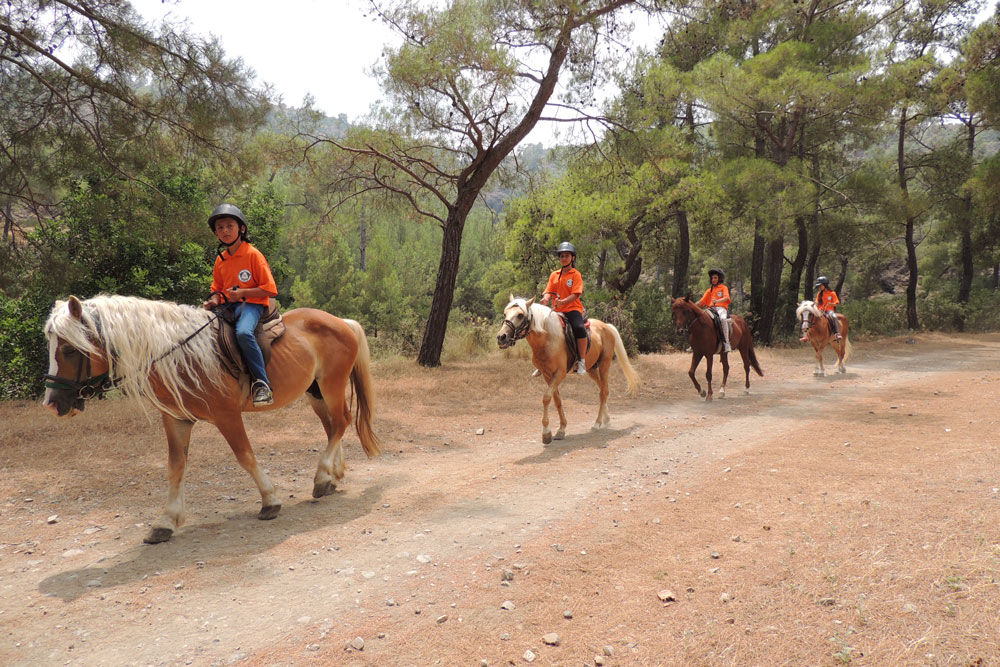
[530, 301]
[511, 297]
[75, 308]
[688, 297]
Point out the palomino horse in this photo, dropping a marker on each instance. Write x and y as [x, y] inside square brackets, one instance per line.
[541, 327]
[162, 352]
[705, 343]
[817, 329]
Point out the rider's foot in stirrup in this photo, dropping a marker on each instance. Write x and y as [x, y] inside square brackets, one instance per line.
[836, 336]
[804, 339]
[261, 393]
[581, 367]
[726, 347]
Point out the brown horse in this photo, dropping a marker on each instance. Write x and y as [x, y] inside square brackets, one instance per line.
[705, 343]
[541, 327]
[819, 332]
[162, 352]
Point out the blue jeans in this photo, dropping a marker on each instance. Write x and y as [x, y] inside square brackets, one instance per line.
[247, 317]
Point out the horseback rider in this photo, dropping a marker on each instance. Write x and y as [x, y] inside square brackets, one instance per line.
[826, 301]
[565, 289]
[717, 298]
[242, 282]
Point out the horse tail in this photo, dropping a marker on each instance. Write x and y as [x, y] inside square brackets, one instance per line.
[753, 359]
[847, 348]
[630, 375]
[364, 395]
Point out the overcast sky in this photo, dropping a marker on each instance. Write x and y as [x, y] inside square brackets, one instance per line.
[322, 48]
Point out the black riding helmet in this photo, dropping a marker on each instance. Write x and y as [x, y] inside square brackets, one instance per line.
[228, 211]
[822, 280]
[718, 272]
[566, 246]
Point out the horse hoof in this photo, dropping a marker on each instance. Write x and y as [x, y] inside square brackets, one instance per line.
[560, 435]
[269, 512]
[324, 489]
[746, 392]
[546, 438]
[157, 535]
[708, 399]
[704, 393]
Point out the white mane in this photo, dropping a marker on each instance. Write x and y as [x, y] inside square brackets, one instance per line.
[138, 333]
[806, 306]
[539, 315]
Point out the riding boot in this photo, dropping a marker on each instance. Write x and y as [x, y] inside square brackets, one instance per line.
[726, 330]
[836, 326]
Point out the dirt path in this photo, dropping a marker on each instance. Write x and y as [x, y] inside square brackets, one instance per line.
[840, 520]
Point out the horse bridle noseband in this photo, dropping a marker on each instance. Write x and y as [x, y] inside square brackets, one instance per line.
[521, 332]
[89, 387]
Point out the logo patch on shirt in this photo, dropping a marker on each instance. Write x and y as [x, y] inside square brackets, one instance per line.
[719, 294]
[569, 283]
[244, 275]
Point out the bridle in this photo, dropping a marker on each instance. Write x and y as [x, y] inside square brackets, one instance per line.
[98, 385]
[85, 387]
[519, 333]
[689, 317]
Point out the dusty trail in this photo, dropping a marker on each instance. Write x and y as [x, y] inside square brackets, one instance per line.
[426, 531]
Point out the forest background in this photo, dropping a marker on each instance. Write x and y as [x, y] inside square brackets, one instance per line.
[780, 140]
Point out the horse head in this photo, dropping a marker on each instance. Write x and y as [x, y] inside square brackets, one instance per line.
[516, 322]
[685, 311]
[806, 310]
[78, 367]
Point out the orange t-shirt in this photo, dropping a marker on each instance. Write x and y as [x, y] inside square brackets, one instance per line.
[562, 283]
[244, 269]
[826, 299]
[719, 294]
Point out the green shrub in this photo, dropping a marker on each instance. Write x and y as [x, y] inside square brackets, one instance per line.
[878, 316]
[23, 352]
[653, 322]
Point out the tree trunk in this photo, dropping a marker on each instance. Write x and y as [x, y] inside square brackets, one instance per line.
[795, 275]
[968, 269]
[772, 288]
[996, 275]
[842, 276]
[682, 257]
[814, 249]
[444, 289]
[364, 242]
[756, 280]
[911, 286]
[602, 261]
[911, 249]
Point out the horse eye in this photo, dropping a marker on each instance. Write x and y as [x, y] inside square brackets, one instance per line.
[68, 351]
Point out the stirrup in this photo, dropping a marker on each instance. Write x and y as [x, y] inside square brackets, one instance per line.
[804, 339]
[261, 393]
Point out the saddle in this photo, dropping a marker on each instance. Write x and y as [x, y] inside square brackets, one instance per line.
[571, 352]
[717, 321]
[269, 329]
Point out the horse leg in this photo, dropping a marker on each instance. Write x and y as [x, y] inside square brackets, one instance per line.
[546, 398]
[708, 377]
[232, 429]
[745, 354]
[178, 439]
[725, 374]
[331, 461]
[820, 371]
[557, 399]
[600, 376]
[695, 360]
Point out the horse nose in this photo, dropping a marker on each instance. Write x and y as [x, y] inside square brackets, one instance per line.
[502, 338]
